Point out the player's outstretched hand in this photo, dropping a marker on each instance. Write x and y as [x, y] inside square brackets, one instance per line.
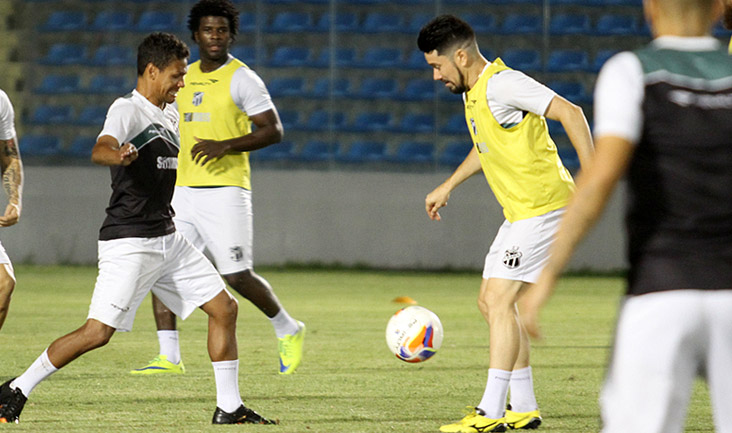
[12, 215]
[127, 154]
[206, 150]
[435, 200]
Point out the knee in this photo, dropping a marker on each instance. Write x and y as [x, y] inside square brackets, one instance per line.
[241, 281]
[230, 308]
[7, 285]
[97, 334]
[491, 302]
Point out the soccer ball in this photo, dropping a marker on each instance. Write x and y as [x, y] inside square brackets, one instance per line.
[414, 334]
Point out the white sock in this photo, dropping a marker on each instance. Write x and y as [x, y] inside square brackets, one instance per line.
[493, 402]
[283, 324]
[169, 346]
[35, 374]
[522, 391]
[227, 385]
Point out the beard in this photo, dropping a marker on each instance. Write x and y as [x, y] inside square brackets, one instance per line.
[727, 17]
[460, 87]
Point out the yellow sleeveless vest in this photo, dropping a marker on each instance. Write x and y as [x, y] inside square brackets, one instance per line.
[520, 163]
[208, 112]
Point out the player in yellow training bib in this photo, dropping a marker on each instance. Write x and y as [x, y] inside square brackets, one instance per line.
[505, 113]
[221, 100]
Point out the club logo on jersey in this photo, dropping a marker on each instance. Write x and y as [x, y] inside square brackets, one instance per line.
[237, 253]
[512, 258]
[197, 98]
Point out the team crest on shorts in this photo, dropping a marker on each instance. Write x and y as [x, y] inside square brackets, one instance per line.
[237, 253]
[512, 258]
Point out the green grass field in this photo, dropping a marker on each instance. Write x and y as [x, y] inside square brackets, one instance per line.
[348, 382]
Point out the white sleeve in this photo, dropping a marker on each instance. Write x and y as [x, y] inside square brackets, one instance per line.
[519, 91]
[7, 118]
[619, 93]
[249, 92]
[120, 120]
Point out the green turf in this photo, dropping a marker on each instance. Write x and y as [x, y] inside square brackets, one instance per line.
[348, 382]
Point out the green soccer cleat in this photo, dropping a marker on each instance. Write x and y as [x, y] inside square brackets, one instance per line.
[290, 348]
[161, 365]
[522, 420]
[475, 422]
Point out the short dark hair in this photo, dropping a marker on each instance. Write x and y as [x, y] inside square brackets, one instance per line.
[443, 32]
[160, 49]
[213, 8]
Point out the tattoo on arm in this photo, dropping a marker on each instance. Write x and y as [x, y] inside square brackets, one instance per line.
[11, 169]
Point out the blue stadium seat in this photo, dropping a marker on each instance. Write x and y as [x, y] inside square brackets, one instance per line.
[521, 24]
[344, 58]
[419, 89]
[64, 21]
[92, 115]
[111, 84]
[414, 123]
[416, 22]
[291, 57]
[343, 22]
[65, 54]
[568, 61]
[572, 90]
[316, 150]
[81, 146]
[481, 23]
[275, 152]
[378, 57]
[455, 125]
[247, 54]
[372, 122]
[615, 24]
[601, 57]
[524, 60]
[113, 55]
[112, 21]
[414, 152]
[287, 87]
[157, 21]
[39, 145]
[415, 60]
[324, 120]
[379, 22]
[247, 22]
[52, 115]
[555, 128]
[58, 84]
[322, 88]
[290, 119]
[570, 24]
[569, 158]
[454, 153]
[363, 151]
[378, 88]
[288, 22]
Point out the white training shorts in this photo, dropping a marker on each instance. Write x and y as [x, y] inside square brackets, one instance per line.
[176, 272]
[521, 249]
[5, 261]
[663, 342]
[217, 220]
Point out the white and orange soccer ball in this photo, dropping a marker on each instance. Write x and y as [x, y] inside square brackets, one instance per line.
[414, 334]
